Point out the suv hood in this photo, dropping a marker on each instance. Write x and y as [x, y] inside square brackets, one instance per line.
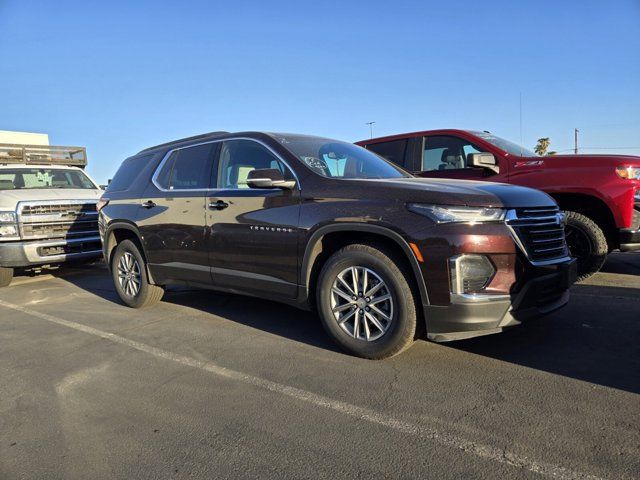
[9, 198]
[471, 193]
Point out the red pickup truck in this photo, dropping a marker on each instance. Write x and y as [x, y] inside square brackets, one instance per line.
[600, 194]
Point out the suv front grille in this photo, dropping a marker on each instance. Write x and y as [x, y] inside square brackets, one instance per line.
[56, 219]
[539, 233]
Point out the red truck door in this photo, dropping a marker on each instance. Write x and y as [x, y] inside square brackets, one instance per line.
[446, 156]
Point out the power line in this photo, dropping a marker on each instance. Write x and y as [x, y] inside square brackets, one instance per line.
[600, 148]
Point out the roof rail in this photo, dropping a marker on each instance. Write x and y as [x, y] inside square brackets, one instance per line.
[43, 155]
[187, 139]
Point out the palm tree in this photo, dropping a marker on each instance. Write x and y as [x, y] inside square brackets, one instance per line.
[542, 146]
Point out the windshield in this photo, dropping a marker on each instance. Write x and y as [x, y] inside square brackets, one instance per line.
[34, 178]
[509, 147]
[334, 159]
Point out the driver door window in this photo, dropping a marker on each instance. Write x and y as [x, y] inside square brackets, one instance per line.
[239, 157]
[446, 153]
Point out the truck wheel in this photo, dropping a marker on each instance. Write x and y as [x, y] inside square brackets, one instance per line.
[366, 302]
[587, 242]
[6, 275]
[130, 277]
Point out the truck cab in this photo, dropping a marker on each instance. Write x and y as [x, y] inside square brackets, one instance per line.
[47, 208]
[600, 194]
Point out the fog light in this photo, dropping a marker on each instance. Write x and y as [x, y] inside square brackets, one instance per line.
[470, 273]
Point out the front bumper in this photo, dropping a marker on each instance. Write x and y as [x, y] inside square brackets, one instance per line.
[545, 291]
[629, 238]
[43, 252]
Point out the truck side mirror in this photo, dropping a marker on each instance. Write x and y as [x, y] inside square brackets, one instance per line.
[269, 178]
[483, 160]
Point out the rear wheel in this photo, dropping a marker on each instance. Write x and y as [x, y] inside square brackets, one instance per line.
[366, 302]
[587, 242]
[130, 277]
[6, 275]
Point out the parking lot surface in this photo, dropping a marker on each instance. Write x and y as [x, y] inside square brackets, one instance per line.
[206, 385]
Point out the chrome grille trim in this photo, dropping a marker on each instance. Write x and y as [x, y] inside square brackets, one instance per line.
[57, 219]
[539, 243]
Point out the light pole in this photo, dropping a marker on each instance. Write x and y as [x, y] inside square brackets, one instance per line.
[370, 128]
[575, 141]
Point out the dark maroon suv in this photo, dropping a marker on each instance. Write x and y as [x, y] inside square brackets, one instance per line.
[322, 224]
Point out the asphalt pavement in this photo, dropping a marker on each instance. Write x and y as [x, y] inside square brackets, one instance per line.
[206, 385]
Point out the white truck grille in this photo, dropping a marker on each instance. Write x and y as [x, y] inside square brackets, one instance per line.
[67, 219]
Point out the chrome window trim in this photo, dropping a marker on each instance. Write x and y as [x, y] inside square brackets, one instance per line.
[156, 173]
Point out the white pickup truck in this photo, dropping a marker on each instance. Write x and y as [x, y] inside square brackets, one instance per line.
[47, 208]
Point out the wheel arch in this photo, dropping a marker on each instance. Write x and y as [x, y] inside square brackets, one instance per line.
[328, 239]
[592, 207]
[116, 233]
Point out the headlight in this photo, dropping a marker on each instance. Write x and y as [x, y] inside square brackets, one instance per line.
[8, 226]
[451, 214]
[7, 217]
[628, 172]
[470, 273]
[8, 231]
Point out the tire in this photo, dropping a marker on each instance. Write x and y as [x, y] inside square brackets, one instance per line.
[6, 275]
[127, 261]
[395, 335]
[587, 242]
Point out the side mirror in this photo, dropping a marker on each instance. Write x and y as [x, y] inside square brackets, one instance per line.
[483, 160]
[269, 178]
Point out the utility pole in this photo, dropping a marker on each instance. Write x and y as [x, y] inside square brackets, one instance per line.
[575, 141]
[370, 128]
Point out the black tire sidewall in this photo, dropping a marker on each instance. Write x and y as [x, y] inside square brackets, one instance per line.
[584, 225]
[402, 326]
[139, 299]
[6, 276]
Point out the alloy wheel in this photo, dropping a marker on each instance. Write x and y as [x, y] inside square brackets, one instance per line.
[362, 303]
[129, 274]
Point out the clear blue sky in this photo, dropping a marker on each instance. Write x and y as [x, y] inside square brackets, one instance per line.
[118, 76]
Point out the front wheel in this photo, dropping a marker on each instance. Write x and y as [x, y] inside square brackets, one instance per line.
[367, 302]
[130, 277]
[587, 242]
[6, 275]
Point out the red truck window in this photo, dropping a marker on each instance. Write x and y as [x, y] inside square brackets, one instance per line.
[393, 151]
[446, 153]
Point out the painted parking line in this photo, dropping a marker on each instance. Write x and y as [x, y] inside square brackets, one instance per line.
[361, 413]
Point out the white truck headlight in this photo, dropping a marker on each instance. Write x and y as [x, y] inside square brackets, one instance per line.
[629, 172]
[8, 226]
[7, 217]
[455, 214]
[470, 273]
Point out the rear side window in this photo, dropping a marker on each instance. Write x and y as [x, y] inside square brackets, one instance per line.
[128, 172]
[187, 169]
[393, 151]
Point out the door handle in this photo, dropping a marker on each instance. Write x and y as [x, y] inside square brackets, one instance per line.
[148, 204]
[219, 205]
